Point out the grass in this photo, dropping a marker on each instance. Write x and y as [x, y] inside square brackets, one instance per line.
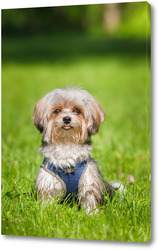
[121, 83]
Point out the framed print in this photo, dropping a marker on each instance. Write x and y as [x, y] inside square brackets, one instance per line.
[76, 158]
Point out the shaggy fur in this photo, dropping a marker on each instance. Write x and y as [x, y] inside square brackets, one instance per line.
[66, 119]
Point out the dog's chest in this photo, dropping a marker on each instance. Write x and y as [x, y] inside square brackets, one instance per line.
[66, 155]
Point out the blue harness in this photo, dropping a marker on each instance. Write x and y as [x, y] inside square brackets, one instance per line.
[71, 179]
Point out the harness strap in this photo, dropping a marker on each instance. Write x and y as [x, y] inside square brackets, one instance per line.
[70, 175]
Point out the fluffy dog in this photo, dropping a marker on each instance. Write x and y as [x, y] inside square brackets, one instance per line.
[66, 119]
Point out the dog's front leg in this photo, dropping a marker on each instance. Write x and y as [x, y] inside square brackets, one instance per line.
[49, 186]
[90, 188]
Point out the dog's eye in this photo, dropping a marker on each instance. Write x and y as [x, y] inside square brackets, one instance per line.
[77, 111]
[57, 111]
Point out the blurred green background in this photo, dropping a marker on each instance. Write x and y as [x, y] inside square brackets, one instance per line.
[56, 33]
[105, 49]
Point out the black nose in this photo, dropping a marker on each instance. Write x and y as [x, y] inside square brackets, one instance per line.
[66, 119]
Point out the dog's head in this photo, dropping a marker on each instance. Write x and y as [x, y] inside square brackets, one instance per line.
[68, 115]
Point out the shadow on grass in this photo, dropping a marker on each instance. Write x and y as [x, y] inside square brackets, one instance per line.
[37, 49]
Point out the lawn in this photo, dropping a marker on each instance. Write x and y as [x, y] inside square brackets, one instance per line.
[119, 78]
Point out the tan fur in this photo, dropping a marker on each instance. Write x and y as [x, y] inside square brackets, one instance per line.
[65, 147]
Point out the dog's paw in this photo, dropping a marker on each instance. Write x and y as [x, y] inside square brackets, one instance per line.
[91, 211]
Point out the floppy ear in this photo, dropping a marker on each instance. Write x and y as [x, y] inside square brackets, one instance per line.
[39, 116]
[96, 117]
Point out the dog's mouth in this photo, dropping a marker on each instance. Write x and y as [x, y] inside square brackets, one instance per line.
[67, 127]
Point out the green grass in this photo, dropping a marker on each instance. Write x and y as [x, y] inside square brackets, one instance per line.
[121, 83]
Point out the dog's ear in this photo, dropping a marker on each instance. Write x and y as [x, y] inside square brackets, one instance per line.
[42, 113]
[96, 117]
[39, 116]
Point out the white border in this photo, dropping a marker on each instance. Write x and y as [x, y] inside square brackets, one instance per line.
[7, 4]
[8, 242]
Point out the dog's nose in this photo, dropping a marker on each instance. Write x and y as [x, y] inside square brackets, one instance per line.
[66, 119]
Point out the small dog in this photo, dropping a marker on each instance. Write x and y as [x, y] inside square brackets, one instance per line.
[67, 118]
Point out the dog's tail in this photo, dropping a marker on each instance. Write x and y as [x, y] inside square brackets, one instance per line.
[118, 186]
[111, 189]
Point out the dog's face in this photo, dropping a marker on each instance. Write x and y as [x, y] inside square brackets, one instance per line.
[68, 116]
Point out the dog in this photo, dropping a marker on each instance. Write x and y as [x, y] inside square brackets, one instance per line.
[66, 119]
